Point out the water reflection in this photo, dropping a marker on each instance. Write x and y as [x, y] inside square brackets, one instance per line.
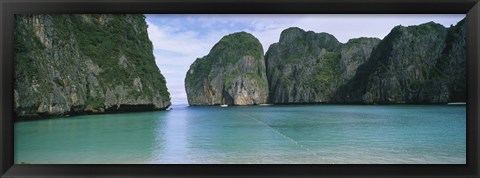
[172, 135]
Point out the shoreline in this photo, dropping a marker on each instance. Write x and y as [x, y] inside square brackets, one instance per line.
[124, 109]
[38, 116]
[337, 104]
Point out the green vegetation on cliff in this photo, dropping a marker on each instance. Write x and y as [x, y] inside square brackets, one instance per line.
[415, 64]
[72, 64]
[233, 73]
[222, 55]
[308, 67]
[97, 40]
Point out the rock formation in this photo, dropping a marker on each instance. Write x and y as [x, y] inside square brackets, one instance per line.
[422, 64]
[309, 67]
[415, 64]
[76, 64]
[232, 73]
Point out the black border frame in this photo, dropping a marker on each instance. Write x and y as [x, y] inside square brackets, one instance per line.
[469, 7]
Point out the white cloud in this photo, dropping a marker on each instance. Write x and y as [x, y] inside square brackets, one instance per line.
[167, 38]
[175, 50]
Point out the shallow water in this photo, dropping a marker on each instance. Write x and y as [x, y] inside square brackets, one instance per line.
[320, 134]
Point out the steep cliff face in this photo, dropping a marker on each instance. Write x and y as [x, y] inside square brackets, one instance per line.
[415, 64]
[308, 67]
[74, 64]
[452, 63]
[232, 73]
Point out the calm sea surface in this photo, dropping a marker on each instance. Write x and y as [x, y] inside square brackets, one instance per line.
[330, 134]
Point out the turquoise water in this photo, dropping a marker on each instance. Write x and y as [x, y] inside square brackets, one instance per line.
[321, 134]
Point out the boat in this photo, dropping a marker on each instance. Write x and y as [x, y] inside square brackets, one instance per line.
[224, 105]
[457, 103]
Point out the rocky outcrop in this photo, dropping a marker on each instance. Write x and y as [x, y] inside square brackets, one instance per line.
[76, 64]
[309, 67]
[415, 64]
[232, 73]
[452, 63]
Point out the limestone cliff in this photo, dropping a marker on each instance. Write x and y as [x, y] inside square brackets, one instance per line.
[415, 64]
[309, 67]
[232, 73]
[77, 64]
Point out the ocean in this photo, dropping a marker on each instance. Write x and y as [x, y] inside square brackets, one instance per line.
[276, 134]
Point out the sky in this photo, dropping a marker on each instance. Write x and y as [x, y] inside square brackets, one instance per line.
[179, 39]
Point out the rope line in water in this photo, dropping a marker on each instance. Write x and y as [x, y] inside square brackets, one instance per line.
[283, 135]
